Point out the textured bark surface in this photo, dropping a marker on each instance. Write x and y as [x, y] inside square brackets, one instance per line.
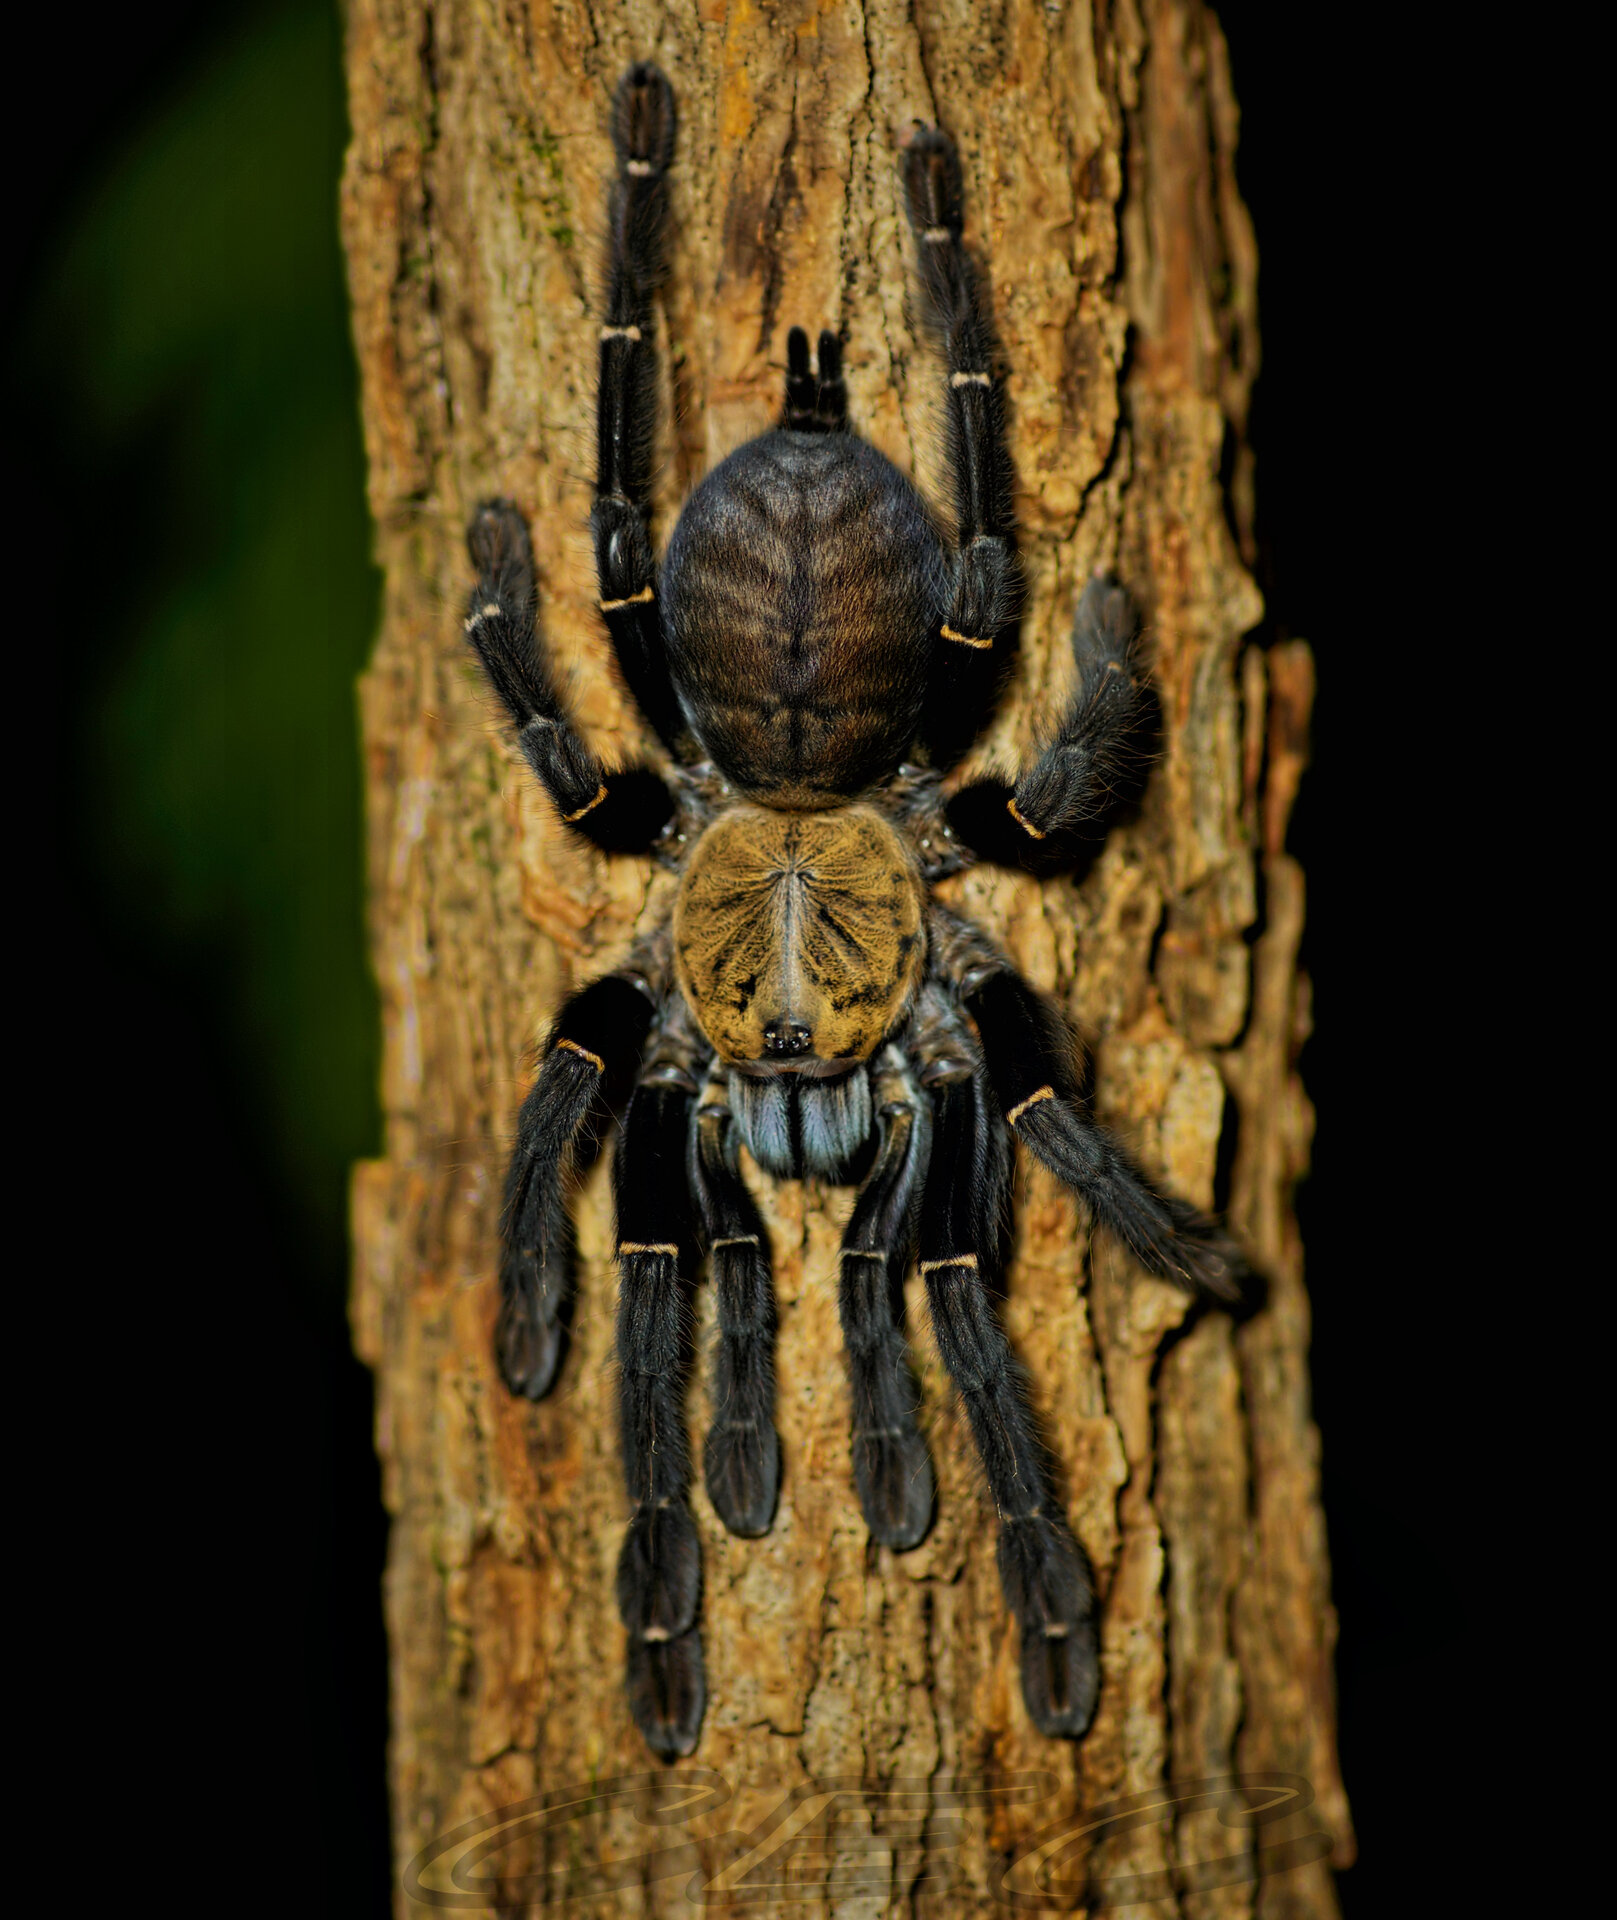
[1098, 146]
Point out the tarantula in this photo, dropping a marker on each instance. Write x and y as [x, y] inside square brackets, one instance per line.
[809, 631]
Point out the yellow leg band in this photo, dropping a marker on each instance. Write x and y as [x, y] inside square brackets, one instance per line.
[965, 639]
[1027, 826]
[572, 819]
[1033, 1099]
[583, 1053]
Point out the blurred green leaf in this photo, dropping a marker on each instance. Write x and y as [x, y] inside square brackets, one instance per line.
[196, 321]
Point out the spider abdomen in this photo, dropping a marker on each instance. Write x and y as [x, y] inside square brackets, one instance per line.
[801, 590]
[799, 938]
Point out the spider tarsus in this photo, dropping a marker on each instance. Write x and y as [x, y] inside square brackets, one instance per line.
[536, 1268]
[932, 183]
[526, 1345]
[1105, 627]
[1213, 1264]
[1048, 1587]
[741, 1467]
[893, 1472]
[667, 1686]
[643, 120]
[1061, 1679]
[498, 541]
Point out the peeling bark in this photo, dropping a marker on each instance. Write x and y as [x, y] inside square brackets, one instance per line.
[1098, 152]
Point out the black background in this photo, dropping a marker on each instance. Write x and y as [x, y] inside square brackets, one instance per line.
[225, 1536]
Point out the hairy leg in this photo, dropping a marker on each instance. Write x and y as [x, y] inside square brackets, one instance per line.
[622, 810]
[1042, 1568]
[892, 1469]
[1029, 1061]
[591, 1058]
[643, 121]
[660, 1568]
[1097, 756]
[741, 1457]
[971, 647]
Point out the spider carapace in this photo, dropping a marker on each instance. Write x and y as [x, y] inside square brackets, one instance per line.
[813, 655]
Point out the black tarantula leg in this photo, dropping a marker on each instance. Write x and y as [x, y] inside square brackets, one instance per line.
[636, 262]
[1029, 1062]
[968, 657]
[1096, 757]
[660, 1568]
[816, 400]
[891, 1466]
[741, 1457]
[593, 1052]
[622, 810]
[1041, 1566]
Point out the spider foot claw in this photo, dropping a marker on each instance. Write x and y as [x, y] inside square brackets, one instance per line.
[667, 1692]
[742, 1469]
[893, 1473]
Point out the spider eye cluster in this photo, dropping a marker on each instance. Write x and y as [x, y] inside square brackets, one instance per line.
[799, 938]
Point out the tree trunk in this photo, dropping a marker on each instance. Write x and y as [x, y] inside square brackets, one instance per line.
[1098, 153]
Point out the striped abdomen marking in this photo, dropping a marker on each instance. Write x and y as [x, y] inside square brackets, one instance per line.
[801, 590]
[799, 937]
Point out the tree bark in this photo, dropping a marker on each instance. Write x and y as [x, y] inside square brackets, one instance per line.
[1098, 150]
